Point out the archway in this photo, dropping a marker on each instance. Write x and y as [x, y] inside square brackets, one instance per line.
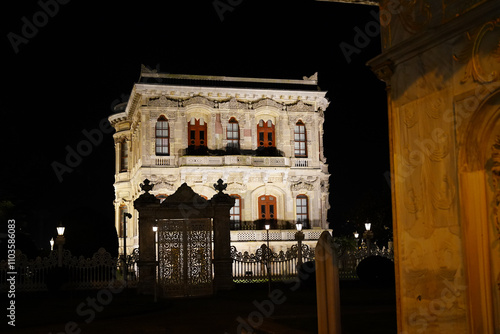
[479, 180]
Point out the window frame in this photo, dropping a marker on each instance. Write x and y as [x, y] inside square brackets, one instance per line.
[123, 167]
[302, 216]
[265, 130]
[233, 141]
[269, 202]
[160, 138]
[300, 139]
[197, 133]
[235, 223]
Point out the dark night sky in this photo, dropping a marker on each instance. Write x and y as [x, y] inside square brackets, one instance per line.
[86, 57]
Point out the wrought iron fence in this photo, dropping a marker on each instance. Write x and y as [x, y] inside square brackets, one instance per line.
[348, 259]
[97, 272]
[42, 274]
[253, 268]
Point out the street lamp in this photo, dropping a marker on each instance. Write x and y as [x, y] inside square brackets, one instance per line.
[125, 216]
[51, 244]
[268, 256]
[60, 241]
[299, 236]
[368, 235]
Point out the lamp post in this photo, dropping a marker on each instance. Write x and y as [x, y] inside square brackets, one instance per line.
[125, 268]
[299, 236]
[356, 236]
[60, 240]
[51, 244]
[155, 230]
[368, 235]
[268, 256]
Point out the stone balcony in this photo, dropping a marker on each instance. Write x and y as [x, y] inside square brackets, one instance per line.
[230, 160]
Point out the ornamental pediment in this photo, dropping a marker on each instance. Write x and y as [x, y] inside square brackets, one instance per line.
[267, 102]
[162, 101]
[198, 100]
[233, 104]
[300, 106]
[302, 186]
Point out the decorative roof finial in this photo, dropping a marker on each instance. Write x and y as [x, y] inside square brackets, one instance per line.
[220, 186]
[147, 186]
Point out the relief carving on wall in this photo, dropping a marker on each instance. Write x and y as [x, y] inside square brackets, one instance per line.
[162, 101]
[443, 194]
[481, 53]
[233, 104]
[300, 106]
[415, 15]
[495, 170]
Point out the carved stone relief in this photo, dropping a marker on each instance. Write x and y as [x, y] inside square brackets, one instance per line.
[162, 101]
[481, 53]
[495, 169]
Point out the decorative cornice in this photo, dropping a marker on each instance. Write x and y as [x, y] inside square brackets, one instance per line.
[117, 118]
[221, 94]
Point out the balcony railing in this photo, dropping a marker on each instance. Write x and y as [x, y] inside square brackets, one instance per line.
[301, 162]
[274, 235]
[164, 161]
[234, 160]
[229, 160]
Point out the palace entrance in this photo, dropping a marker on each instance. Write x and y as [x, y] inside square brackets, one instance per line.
[185, 257]
[178, 260]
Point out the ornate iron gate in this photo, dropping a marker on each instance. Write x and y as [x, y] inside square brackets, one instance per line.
[185, 257]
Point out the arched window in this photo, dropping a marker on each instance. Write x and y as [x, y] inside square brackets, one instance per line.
[300, 140]
[197, 133]
[123, 156]
[162, 136]
[235, 213]
[233, 134]
[302, 209]
[265, 132]
[267, 207]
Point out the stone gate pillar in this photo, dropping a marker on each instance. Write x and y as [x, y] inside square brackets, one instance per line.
[222, 204]
[146, 205]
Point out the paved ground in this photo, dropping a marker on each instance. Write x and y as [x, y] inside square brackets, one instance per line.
[247, 308]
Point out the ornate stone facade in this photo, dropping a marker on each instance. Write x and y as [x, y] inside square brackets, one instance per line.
[440, 61]
[196, 145]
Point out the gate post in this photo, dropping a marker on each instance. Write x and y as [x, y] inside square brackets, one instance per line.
[327, 285]
[223, 263]
[146, 204]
